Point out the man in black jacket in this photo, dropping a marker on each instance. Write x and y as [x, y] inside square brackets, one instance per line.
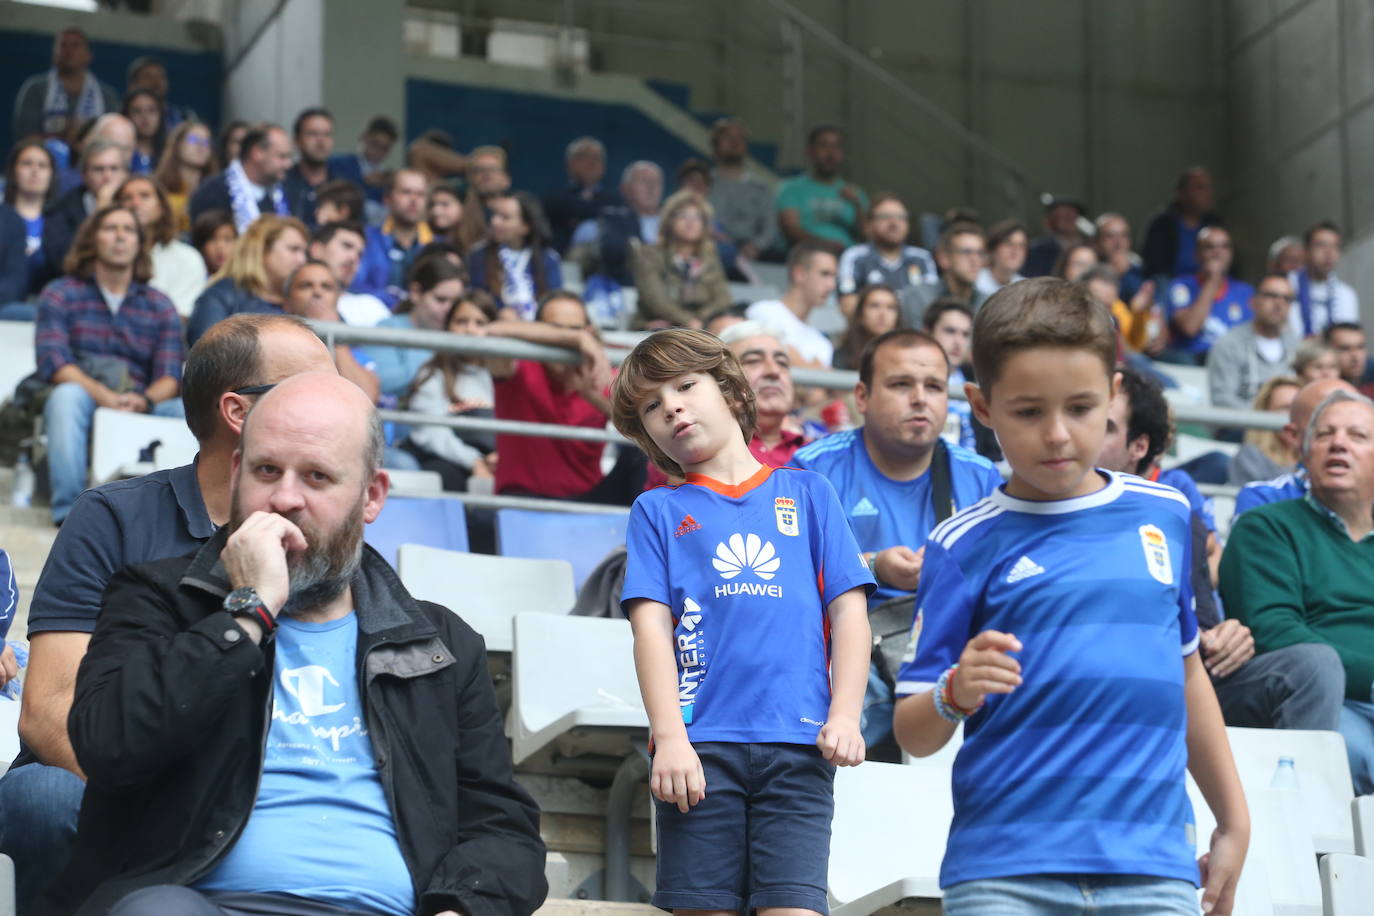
[274, 725]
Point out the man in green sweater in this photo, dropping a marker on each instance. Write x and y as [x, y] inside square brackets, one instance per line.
[1303, 570]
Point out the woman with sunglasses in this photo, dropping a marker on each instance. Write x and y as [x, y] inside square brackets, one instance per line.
[187, 160]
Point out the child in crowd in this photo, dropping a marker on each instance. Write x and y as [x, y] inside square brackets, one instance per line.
[516, 265]
[1055, 621]
[950, 321]
[747, 596]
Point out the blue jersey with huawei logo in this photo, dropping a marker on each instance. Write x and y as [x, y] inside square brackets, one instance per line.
[748, 572]
[1080, 770]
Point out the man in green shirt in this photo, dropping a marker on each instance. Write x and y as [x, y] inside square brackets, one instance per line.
[1302, 570]
[819, 207]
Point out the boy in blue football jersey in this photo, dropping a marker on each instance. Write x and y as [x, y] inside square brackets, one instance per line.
[1055, 620]
[748, 599]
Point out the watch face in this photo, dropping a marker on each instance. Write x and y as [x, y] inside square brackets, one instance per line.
[241, 599]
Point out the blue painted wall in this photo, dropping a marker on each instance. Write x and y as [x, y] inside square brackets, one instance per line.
[195, 78]
[535, 130]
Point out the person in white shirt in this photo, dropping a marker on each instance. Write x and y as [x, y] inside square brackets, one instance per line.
[178, 269]
[1007, 244]
[1321, 299]
[340, 245]
[811, 280]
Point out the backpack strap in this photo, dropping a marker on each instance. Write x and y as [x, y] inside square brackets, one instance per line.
[941, 492]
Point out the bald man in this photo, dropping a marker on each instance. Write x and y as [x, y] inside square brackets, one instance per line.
[1292, 485]
[274, 725]
[164, 514]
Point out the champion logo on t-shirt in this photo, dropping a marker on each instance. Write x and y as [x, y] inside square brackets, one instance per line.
[687, 526]
[1024, 569]
[864, 507]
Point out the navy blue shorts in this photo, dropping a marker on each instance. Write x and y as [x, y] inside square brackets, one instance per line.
[760, 837]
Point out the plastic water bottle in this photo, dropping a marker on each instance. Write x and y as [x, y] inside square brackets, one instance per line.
[22, 494]
[1285, 775]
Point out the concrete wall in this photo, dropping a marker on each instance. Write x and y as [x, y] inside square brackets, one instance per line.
[273, 58]
[1104, 100]
[1300, 116]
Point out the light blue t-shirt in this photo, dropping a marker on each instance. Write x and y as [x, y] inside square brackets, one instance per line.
[1080, 770]
[748, 572]
[396, 367]
[321, 827]
[884, 512]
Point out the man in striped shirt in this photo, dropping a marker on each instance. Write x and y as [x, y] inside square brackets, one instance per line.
[104, 338]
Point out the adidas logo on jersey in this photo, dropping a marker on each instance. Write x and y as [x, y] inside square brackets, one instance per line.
[1024, 569]
[687, 526]
[863, 507]
[741, 552]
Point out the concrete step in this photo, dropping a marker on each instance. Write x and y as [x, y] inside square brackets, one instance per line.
[595, 908]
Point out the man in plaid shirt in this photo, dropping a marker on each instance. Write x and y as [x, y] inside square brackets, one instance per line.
[104, 339]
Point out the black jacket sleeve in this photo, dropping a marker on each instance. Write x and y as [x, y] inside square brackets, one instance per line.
[497, 867]
[152, 684]
[14, 264]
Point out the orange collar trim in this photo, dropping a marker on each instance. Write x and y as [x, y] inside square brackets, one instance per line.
[734, 491]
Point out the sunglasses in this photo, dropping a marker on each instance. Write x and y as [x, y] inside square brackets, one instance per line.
[255, 389]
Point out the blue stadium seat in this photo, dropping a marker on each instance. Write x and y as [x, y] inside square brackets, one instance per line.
[581, 539]
[436, 522]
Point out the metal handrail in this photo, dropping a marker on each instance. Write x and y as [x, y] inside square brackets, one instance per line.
[832, 379]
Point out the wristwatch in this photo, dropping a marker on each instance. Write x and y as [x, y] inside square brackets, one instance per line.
[244, 602]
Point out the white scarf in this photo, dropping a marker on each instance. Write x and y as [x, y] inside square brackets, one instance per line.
[517, 286]
[244, 199]
[90, 102]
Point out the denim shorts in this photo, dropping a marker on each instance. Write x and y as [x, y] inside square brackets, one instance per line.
[760, 837]
[1063, 895]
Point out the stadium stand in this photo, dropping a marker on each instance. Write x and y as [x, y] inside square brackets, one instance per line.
[440, 523]
[582, 540]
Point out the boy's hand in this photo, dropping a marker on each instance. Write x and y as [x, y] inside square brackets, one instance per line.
[840, 742]
[1220, 868]
[985, 667]
[676, 776]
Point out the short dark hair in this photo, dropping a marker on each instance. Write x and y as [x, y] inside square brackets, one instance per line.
[315, 112]
[897, 337]
[1324, 226]
[207, 224]
[961, 227]
[819, 130]
[1000, 232]
[381, 124]
[1040, 312]
[1331, 329]
[693, 164]
[881, 198]
[1149, 414]
[937, 309]
[225, 358]
[140, 63]
[325, 234]
[801, 255]
[256, 137]
[343, 194]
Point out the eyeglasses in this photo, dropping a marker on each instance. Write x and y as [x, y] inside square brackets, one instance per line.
[197, 140]
[255, 389]
[889, 214]
[1276, 297]
[968, 252]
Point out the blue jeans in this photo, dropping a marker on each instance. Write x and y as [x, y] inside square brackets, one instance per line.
[67, 419]
[38, 828]
[1062, 895]
[875, 722]
[1357, 728]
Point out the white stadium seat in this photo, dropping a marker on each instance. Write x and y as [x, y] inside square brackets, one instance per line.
[118, 436]
[572, 673]
[1347, 885]
[486, 591]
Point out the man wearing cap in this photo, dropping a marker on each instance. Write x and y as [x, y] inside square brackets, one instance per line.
[1062, 214]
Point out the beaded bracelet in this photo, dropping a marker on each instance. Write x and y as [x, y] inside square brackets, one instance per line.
[945, 706]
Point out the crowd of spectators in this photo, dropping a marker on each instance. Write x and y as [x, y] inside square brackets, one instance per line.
[131, 232]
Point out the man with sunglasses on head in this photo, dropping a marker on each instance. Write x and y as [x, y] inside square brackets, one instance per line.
[164, 514]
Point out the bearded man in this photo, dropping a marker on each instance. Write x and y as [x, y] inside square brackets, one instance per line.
[274, 726]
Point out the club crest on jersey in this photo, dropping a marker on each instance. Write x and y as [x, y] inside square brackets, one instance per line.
[1156, 554]
[786, 511]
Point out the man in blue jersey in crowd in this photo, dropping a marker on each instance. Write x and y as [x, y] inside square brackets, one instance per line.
[1292, 485]
[1203, 306]
[1298, 686]
[897, 478]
